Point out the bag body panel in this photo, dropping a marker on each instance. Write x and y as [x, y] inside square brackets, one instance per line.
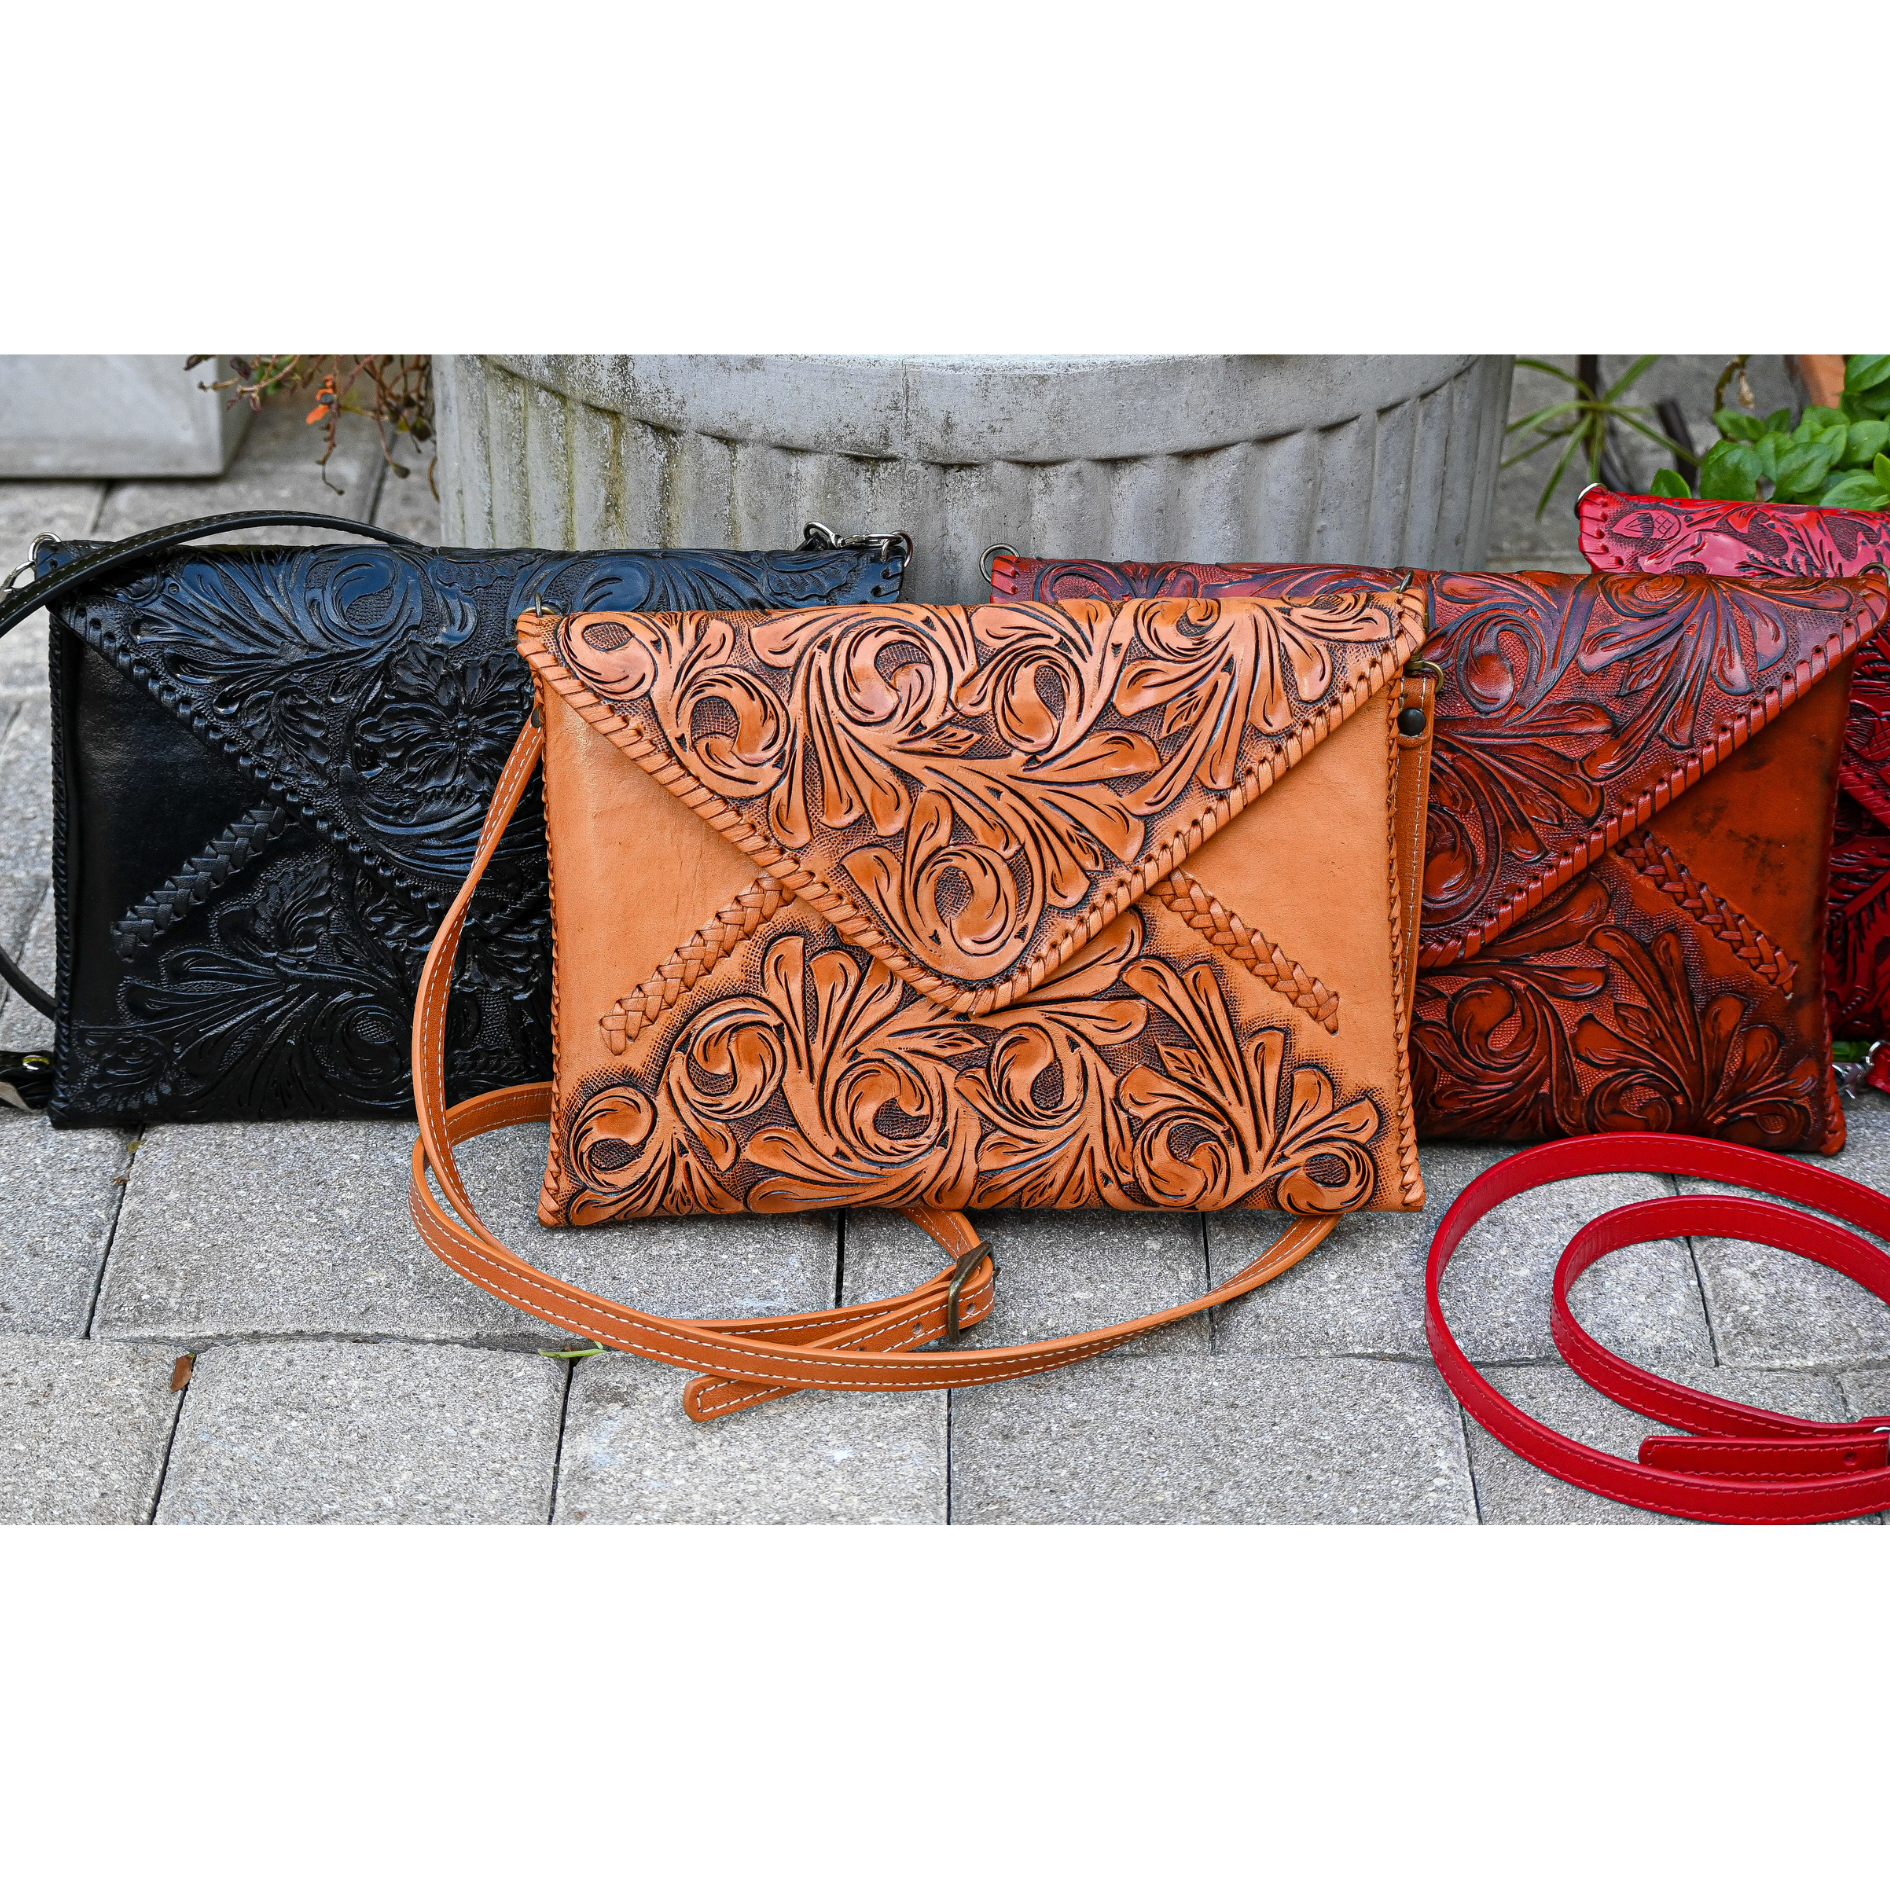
[1760, 539]
[775, 1061]
[276, 761]
[1574, 714]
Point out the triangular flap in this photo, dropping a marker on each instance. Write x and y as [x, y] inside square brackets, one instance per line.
[973, 793]
[1573, 709]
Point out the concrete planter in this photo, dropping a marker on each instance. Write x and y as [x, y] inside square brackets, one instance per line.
[114, 416]
[1384, 459]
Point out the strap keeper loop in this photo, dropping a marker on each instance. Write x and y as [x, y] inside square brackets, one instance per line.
[966, 1261]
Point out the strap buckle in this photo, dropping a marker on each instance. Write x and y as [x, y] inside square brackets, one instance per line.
[966, 1261]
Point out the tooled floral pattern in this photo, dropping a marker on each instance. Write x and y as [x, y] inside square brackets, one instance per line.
[1587, 1017]
[978, 776]
[378, 690]
[295, 998]
[1563, 698]
[1127, 1081]
[1567, 699]
[1624, 531]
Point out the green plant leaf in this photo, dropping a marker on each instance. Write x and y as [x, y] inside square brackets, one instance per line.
[1881, 466]
[1857, 491]
[1729, 471]
[1734, 425]
[1817, 420]
[1668, 484]
[1641, 364]
[1864, 440]
[1865, 371]
[1873, 401]
[1547, 367]
[1801, 471]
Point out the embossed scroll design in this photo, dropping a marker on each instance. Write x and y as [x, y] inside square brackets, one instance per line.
[372, 693]
[1586, 1017]
[1624, 532]
[1126, 1081]
[981, 780]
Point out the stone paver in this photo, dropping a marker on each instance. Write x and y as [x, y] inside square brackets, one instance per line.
[1222, 1439]
[353, 1433]
[1362, 1292]
[631, 1455]
[58, 1199]
[1866, 1394]
[21, 1026]
[83, 1429]
[1510, 1490]
[21, 892]
[302, 1229]
[26, 789]
[275, 468]
[1775, 1310]
[1060, 1273]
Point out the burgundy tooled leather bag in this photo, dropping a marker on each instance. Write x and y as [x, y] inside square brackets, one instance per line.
[1631, 810]
[1628, 531]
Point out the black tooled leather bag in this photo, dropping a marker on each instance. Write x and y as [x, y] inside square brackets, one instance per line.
[270, 767]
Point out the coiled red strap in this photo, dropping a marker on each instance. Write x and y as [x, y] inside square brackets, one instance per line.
[1740, 1463]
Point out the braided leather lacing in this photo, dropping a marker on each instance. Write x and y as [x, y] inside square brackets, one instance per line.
[1726, 922]
[623, 1023]
[241, 842]
[1188, 899]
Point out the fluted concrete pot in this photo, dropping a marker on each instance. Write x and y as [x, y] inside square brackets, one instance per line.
[1379, 459]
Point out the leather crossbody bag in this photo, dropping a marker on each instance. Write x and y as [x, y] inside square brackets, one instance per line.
[941, 908]
[1629, 829]
[1626, 531]
[269, 772]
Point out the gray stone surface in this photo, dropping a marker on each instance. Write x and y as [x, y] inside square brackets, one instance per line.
[1212, 1440]
[21, 892]
[1775, 1310]
[58, 1199]
[1521, 541]
[1362, 1292]
[302, 1228]
[1509, 1490]
[341, 1433]
[26, 790]
[110, 416]
[276, 468]
[1060, 1273]
[83, 1429]
[21, 1026]
[410, 506]
[1866, 1394]
[630, 1455]
[1386, 459]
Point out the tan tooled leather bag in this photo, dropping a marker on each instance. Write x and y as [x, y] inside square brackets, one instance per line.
[937, 908]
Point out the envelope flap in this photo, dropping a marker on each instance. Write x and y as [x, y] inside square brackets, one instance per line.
[973, 793]
[1573, 709]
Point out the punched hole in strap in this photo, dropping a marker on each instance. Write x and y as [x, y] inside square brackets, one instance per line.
[966, 1261]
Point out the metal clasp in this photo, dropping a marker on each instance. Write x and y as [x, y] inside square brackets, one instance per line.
[818, 537]
[966, 1261]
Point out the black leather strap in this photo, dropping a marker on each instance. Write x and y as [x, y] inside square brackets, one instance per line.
[17, 605]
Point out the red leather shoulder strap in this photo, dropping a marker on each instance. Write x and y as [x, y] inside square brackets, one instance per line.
[745, 1362]
[1742, 1464]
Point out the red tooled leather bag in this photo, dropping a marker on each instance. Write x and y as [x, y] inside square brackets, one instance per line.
[1627, 531]
[1631, 808]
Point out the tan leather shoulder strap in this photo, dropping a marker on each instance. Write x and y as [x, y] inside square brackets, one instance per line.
[743, 1362]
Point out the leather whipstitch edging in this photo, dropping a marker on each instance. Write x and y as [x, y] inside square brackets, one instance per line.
[1659, 865]
[690, 962]
[1409, 1170]
[1646, 805]
[1190, 901]
[1114, 897]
